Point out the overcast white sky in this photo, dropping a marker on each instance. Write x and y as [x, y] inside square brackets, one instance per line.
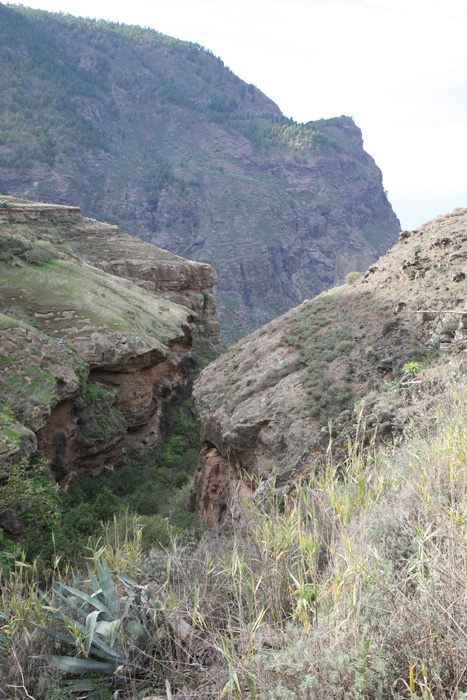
[398, 67]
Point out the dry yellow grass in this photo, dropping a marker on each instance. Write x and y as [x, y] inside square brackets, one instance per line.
[351, 584]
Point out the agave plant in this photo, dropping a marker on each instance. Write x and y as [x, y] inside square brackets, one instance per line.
[108, 632]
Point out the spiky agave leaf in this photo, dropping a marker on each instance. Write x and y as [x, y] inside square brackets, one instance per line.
[107, 587]
[94, 582]
[102, 624]
[135, 630]
[91, 622]
[84, 685]
[70, 664]
[65, 599]
[109, 630]
[91, 600]
[128, 582]
[64, 638]
[99, 648]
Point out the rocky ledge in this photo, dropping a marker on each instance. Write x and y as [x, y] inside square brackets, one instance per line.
[105, 247]
[264, 407]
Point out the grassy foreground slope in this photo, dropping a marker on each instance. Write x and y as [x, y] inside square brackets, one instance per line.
[349, 583]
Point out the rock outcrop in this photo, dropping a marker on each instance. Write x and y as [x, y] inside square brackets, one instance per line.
[95, 336]
[264, 406]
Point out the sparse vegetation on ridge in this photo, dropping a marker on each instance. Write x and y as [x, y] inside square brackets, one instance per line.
[319, 346]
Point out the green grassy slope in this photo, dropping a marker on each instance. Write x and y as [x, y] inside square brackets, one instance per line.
[43, 281]
[74, 298]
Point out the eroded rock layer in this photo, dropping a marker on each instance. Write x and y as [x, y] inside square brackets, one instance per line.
[96, 334]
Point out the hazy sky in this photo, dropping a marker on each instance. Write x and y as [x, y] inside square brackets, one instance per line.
[398, 67]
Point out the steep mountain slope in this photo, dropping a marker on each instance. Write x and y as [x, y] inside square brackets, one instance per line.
[156, 135]
[264, 406]
[91, 359]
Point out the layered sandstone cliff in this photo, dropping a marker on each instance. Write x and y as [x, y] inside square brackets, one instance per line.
[264, 406]
[95, 336]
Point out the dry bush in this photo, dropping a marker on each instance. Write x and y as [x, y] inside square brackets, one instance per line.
[21, 605]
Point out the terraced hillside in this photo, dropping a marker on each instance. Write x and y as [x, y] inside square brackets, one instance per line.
[90, 359]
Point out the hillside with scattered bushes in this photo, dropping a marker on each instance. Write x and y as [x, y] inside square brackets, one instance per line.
[157, 136]
[264, 406]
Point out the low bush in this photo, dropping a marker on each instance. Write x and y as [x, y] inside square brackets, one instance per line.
[10, 247]
[43, 252]
[319, 346]
[352, 277]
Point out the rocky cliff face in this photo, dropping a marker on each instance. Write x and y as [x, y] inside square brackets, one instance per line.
[157, 136]
[264, 406]
[317, 216]
[95, 336]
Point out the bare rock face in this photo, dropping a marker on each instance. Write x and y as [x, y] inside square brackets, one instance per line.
[317, 215]
[216, 481]
[90, 355]
[264, 406]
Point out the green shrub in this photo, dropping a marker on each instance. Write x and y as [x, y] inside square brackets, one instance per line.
[319, 346]
[156, 531]
[352, 277]
[411, 368]
[7, 415]
[9, 553]
[10, 247]
[29, 486]
[43, 252]
[95, 393]
[344, 347]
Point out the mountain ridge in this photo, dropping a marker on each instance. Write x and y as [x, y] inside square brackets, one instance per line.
[157, 136]
[264, 407]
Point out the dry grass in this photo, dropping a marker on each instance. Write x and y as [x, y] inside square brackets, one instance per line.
[353, 584]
